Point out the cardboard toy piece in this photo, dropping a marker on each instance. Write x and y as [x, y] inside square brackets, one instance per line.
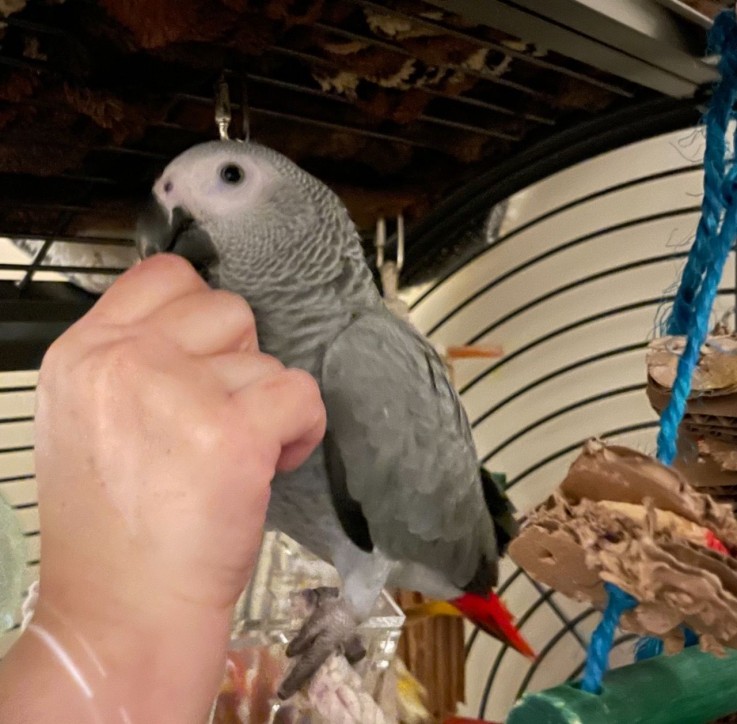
[722, 453]
[712, 402]
[715, 375]
[622, 517]
[707, 454]
[621, 474]
[557, 559]
[707, 465]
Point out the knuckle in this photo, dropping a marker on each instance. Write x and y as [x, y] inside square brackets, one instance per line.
[236, 305]
[269, 363]
[304, 386]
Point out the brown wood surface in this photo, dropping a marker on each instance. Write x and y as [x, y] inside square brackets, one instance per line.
[432, 650]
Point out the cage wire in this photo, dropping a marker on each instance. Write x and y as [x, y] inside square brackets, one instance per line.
[569, 279]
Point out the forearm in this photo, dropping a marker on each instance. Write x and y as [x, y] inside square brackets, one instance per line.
[133, 672]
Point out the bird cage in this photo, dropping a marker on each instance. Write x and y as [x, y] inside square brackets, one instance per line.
[543, 159]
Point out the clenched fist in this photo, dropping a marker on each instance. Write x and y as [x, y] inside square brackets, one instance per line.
[159, 428]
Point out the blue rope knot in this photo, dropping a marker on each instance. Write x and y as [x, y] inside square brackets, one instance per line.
[597, 656]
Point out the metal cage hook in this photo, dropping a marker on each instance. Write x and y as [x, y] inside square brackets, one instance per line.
[245, 110]
[380, 243]
[223, 112]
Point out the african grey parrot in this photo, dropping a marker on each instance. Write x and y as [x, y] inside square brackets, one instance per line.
[393, 496]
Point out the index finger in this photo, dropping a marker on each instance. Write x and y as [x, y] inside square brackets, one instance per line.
[146, 287]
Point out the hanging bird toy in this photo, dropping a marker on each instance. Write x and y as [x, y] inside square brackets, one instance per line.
[629, 533]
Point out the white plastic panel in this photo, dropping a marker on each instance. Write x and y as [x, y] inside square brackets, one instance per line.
[665, 154]
[571, 290]
[17, 484]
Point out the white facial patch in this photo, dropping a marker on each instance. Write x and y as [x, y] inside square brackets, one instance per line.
[199, 184]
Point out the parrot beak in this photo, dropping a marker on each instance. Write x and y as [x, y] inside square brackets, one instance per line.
[157, 232]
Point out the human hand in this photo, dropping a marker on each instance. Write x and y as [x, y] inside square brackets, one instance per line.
[159, 427]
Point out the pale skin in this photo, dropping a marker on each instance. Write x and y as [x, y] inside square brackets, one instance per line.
[159, 428]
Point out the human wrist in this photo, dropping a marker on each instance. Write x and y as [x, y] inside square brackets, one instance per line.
[163, 665]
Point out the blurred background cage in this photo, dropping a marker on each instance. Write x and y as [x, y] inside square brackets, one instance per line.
[543, 154]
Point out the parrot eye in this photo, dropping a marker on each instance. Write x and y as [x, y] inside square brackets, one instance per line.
[232, 174]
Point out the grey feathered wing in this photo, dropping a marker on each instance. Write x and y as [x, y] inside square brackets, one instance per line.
[400, 456]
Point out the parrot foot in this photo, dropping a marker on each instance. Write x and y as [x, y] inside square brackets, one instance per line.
[329, 628]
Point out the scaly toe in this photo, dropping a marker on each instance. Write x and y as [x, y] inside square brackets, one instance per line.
[329, 628]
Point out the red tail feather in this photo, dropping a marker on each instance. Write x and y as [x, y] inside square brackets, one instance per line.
[490, 614]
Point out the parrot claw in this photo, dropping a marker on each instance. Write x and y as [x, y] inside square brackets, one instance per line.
[329, 628]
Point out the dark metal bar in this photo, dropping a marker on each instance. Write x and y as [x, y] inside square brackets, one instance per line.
[314, 122]
[538, 62]
[87, 179]
[600, 53]
[15, 420]
[652, 302]
[562, 411]
[346, 101]
[629, 223]
[555, 608]
[466, 127]
[7, 450]
[503, 651]
[61, 269]
[432, 257]
[557, 373]
[96, 240]
[466, 100]
[349, 129]
[570, 627]
[48, 206]
[690, 168]
[26, 506]
[576, 445]
[36, 66]
[571, 285]
[17, 478]
[392, 47]
[127, 151]
[425, 118]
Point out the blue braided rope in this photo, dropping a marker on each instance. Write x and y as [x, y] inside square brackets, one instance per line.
[597, 656]
[722, 40]
[692, 307]
[699, 327]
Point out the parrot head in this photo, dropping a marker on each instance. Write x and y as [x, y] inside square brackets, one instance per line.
[247, 218]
